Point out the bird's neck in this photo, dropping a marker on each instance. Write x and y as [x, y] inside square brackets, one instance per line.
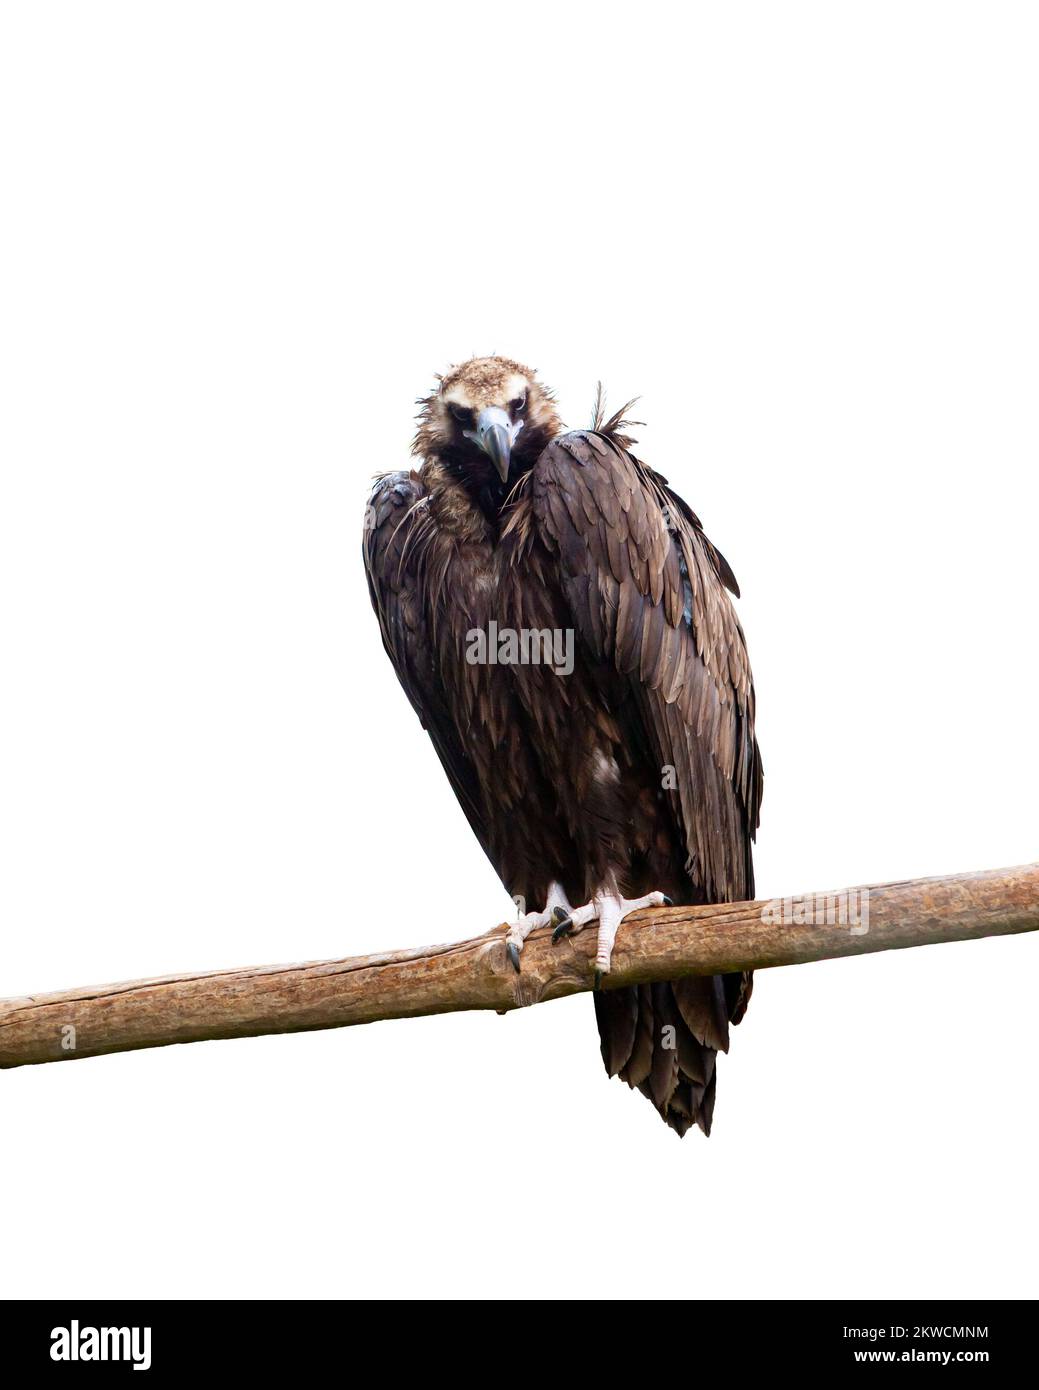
[492, 498]
[485, 491]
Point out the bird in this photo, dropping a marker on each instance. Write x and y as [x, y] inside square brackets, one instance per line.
[565, 631]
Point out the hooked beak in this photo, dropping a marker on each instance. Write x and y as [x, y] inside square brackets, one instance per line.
[495, 434]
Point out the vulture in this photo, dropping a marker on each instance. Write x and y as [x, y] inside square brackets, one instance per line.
[563, 628]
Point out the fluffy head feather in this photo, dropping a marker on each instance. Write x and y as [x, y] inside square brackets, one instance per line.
[465, 390]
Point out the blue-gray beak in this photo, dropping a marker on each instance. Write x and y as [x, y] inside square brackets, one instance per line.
[495, 434]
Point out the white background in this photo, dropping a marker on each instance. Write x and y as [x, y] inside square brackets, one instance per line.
[237, 242]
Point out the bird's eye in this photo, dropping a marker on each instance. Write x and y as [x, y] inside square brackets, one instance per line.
[519, 405]
[462, 413]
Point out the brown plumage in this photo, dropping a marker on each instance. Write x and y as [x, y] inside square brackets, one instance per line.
[636, 771]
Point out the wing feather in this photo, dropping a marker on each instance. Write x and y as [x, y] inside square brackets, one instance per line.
[647, 592]
[406, 571]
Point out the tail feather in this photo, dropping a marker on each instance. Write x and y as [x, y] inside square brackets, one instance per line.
[663, 1040]
[617, 1035]
[704, 1008]
[665, 1073]
[640, 1063]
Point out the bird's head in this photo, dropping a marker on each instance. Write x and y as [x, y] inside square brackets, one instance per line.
[488, 420]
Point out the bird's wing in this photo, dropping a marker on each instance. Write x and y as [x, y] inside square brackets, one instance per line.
[646, 590]
[399, 537]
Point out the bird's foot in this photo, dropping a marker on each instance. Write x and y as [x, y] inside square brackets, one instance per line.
[557, 910]
[609, 910]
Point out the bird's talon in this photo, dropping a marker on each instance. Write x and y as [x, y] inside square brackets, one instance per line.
[597, 979]
[563, 923]
[513, 954]
[668, 902]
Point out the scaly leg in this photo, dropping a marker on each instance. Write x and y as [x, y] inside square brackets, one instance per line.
[609, 910]
[557, 909]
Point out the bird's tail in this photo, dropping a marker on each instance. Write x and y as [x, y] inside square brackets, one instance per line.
[665, 1038]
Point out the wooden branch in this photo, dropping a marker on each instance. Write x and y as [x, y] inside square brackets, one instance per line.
[658, 944]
